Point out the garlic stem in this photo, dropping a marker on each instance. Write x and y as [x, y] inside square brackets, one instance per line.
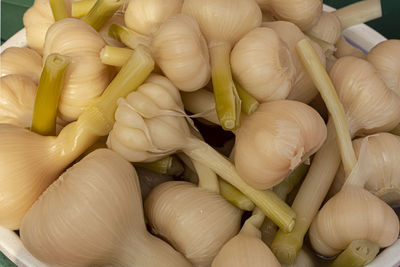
[101, 12]
[358, 253]
[59, 9]
[287, 185]
[272, 206]
[127, 36]
[131, 75]
[227, 100]
[207, 178]
[48, 94]
[328, 93]
[81, 8]
[168, 165]
[309, 198]
[115, 56]
[257, 218]
[359, 12]
[234, 196]
[249, 103]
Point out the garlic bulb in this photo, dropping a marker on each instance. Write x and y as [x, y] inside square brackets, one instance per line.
[246, 248]
[37, 20]
[145, 16]
[87, 76]
[204, 223]
[17, 98]
[303, 13]
[276, 138]
[21, 61]
[382, 169]
[85, 218]
[327, 29]
[263, 65]
[370, 105]
[224, 22]
[180, 50]
[303, 89]
[353, 214]
[385, 57]
[150, 124]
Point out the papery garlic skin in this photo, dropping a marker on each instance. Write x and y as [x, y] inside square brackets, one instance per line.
[21, 61]
[277, 137]
[17, 98]
[370, 105]
[383, 171]
[328, 28]
[195, 221]
[37, 20]
[85, 218]
[181, 51]
[261, 62]
[303, 89]
[303, 13]
[144, 129]
[87, 76]
[353, 214]
[385, 57]
[145, 16]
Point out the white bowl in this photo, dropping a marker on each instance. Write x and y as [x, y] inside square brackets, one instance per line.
[361, 36]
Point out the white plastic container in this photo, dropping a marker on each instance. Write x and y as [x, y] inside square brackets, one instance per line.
[361, 35]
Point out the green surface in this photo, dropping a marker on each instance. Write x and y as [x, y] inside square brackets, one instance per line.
[12, 12]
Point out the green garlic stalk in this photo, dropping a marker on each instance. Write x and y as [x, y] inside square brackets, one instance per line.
[101, 12]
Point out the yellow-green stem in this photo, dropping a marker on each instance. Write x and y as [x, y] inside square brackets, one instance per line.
[249, 103]
[168, 165]
[129, 78]
[48, 94]
[227, 101]
[59, 9]
[234, 196]
[207, 177]
[272, 206]
[115, 56]
[127, 36]
[309, 198]
[286, 186]
[359, 12]
[81, 8]
[321, 80]
[101, 12]
[357, 254]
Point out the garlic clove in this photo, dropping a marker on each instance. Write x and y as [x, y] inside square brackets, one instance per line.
[195, 221]
[86, 218]
[344, 48]
[263, 65]
[21, 61]
[181, 51]
[145, 16]
[17, 98]
[370, 105]
[385, 57]
[275, 139]
[353, 214]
